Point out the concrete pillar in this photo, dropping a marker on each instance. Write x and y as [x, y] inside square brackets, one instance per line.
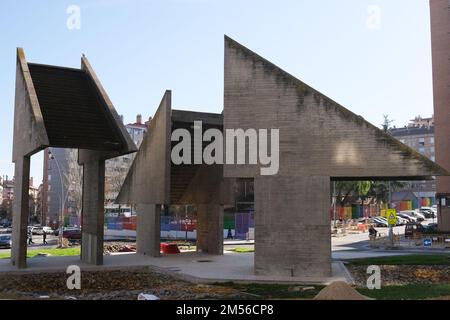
[292, 226]
[20, 212]
[148, 230]
[210, 228]
[93, 213]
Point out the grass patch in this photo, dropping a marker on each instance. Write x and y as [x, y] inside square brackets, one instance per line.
[241, 250]
[74, 251]
[191, 248]
[284, 291]
[417, 259]
[274, 291]
[408, 292]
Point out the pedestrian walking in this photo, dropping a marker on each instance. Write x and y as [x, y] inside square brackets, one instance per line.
[30, 237]
[44, 237]
[229, 235]
[372, 233]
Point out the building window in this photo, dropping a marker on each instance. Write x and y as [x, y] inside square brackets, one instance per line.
[421, 142]
[432, 140]
[422, 150]
[49, 177]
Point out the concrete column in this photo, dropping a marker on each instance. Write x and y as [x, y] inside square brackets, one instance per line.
[20, 212]
[210, 228]
[93, 212]
[292, 226]
[148, 229]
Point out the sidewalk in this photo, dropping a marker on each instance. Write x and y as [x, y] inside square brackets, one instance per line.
[196, 267]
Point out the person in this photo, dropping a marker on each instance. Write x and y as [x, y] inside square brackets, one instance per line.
[372, 233]
[30, 237]
[229, 235]
[44, 237]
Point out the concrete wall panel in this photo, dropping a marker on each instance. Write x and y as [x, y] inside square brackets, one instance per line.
[292, 226]
[29, 130]
[317, 135]
[148, 180]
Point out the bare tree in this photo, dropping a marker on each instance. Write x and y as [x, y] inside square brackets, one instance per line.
[116, 172]
[387, 122]
[74, 180]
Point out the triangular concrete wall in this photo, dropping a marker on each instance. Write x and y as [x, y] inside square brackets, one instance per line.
[148, 180]
[318, 137]
[29, 129]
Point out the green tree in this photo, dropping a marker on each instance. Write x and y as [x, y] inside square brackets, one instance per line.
[386, 122]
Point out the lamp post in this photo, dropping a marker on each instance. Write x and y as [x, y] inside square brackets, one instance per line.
[63, 200]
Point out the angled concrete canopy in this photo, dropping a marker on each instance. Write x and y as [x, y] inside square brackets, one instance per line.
[65, 108]
[153, 181]
[320, 140]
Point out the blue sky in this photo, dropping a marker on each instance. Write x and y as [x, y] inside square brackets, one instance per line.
[374, 57]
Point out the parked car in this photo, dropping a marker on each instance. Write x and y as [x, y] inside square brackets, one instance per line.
[415, 214]
[70, 233]
[407, 217]
[427, 212]
[432, 227]
[401, 221]
[5, 241]
[433, 208]
[36, 230]
[48, 230]
[380, 222]
[412, 228]
[40, 230]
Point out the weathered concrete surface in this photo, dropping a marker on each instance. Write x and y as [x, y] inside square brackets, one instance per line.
[318, 137]
[148, 180]
[128, 145]
[29, 137]
[292, 226]
[319, 140]
[208, 186]
[20, 212]
[148, 229]
[152, 176]
[32, 134]
[93, 212]
[440, 28]
[27, 113]
[210, 228]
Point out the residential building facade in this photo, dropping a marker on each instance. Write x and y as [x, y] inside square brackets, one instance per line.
[419, 135]
[116, 169]
[58, 194]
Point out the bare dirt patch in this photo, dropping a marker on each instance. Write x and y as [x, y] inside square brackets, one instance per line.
[403, 274]
[110, 285]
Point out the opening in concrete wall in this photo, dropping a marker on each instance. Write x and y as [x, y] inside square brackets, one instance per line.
[356, 206]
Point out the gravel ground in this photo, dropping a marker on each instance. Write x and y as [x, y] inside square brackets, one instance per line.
[110, 285]
[404, 274]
